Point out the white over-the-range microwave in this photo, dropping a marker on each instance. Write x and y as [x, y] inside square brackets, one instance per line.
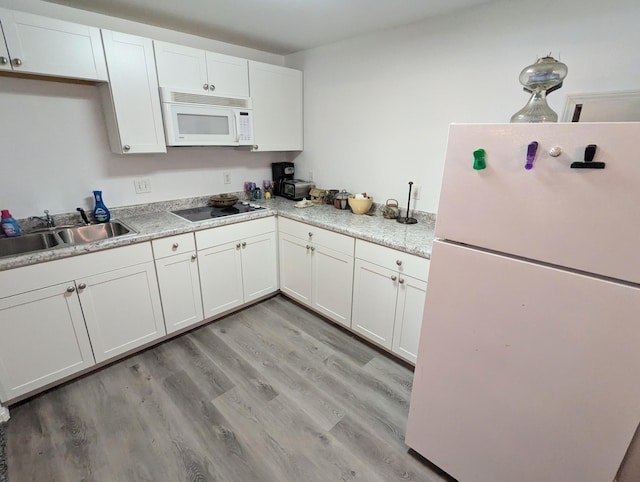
[196, 119]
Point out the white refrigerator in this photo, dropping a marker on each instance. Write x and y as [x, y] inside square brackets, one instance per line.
[528, 367]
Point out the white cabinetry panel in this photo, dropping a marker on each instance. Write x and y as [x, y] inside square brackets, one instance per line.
[43, 339]
[46, 46]
[122, 309]
[131, 98]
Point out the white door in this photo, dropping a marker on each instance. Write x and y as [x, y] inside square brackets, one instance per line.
[220, 278]
[43, 338]
[47, 46]
[408, 317]
[179, 284]
[332, 283]
[134, 96]
[259, 266]
[228, 76]
[181, 67]
[375, 291]
[525, 372]
[295, 268]
[276, 94]
[5, 61]
[551, 213]
[122, 309]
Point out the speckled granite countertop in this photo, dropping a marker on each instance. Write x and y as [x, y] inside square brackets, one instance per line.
[155, 221]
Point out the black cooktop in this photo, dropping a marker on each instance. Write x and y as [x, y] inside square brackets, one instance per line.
[209, 212]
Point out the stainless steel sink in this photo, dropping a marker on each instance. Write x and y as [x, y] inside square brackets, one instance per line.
[62, 236]
[28, 243]
[93, 232]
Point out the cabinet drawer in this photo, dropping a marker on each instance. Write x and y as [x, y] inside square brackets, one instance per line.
[317, 236]
[182, 243]
[234, 232]
[405, 263]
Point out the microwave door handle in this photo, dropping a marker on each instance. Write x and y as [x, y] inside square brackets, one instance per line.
[237, 122]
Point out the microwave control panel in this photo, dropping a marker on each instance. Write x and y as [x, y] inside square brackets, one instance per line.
[245, 127]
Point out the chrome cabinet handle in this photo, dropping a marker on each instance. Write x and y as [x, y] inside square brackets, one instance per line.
[126, 148]
[17, 62]
[4, 61]
[308, 247]
[175, 245]
[244, 244]
[312, 248]
[310, 234]
[82, 286]
[399, 262]
[401, 281]
[238, 245]
[255, 147]
[394, 277]
[205, 86]
[71, 289]
[212, 87]
[194, 256]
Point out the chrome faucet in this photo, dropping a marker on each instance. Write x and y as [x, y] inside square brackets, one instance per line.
[47, 219]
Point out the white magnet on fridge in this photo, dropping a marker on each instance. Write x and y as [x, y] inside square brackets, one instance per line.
[555, 151]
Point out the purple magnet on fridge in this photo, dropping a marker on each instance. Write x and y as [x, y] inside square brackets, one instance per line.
[531, 154]
[479, 162]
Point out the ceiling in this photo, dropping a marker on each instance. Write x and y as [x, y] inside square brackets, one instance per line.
[278, 26]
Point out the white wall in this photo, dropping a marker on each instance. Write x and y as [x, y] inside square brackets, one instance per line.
[55, 150]
[377, 107]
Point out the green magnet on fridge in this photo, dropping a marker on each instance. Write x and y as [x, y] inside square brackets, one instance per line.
[478, 160]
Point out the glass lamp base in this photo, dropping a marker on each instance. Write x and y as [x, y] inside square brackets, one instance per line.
[536, 110]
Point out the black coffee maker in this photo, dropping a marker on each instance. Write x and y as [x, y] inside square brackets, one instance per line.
[281, 171]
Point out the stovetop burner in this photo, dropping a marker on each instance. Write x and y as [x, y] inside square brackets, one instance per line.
[210, 212]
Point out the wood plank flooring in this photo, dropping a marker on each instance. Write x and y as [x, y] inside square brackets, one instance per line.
[271, 393]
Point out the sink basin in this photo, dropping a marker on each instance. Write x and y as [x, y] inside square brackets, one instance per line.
[27, 243]
[93, 232]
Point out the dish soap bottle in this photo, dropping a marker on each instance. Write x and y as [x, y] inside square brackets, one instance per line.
[9, 224]
[100, 212]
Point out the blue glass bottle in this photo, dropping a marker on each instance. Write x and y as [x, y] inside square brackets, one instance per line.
[100, 212]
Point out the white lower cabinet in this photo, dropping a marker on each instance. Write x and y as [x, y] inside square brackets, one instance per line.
[60, 317]
[238, 264]
[316, 268]
[388, 297]
[121, 309]
[43, 338]
[179, 281]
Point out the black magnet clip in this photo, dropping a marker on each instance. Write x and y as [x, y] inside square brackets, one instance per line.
[589, 154]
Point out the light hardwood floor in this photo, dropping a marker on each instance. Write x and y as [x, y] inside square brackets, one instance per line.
[271, 393]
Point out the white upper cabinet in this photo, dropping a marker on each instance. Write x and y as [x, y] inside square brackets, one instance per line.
[182, 67]
[45, 46]
[131, 100]
[276, 96]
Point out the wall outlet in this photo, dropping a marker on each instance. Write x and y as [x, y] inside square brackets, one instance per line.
[226, 177]
[416, 191]
[142, 185]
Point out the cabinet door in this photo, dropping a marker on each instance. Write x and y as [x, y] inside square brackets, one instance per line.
[131, 99]
[220, 278]
[375, 290]
[332, 283]
[408, 318]
[181, 67]
[122, 309]
[180, 290]
[228, 76]
[46, 46]
[5, 61]
[276, 95]
[259, 266]
[295, 268]
[43, 338]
